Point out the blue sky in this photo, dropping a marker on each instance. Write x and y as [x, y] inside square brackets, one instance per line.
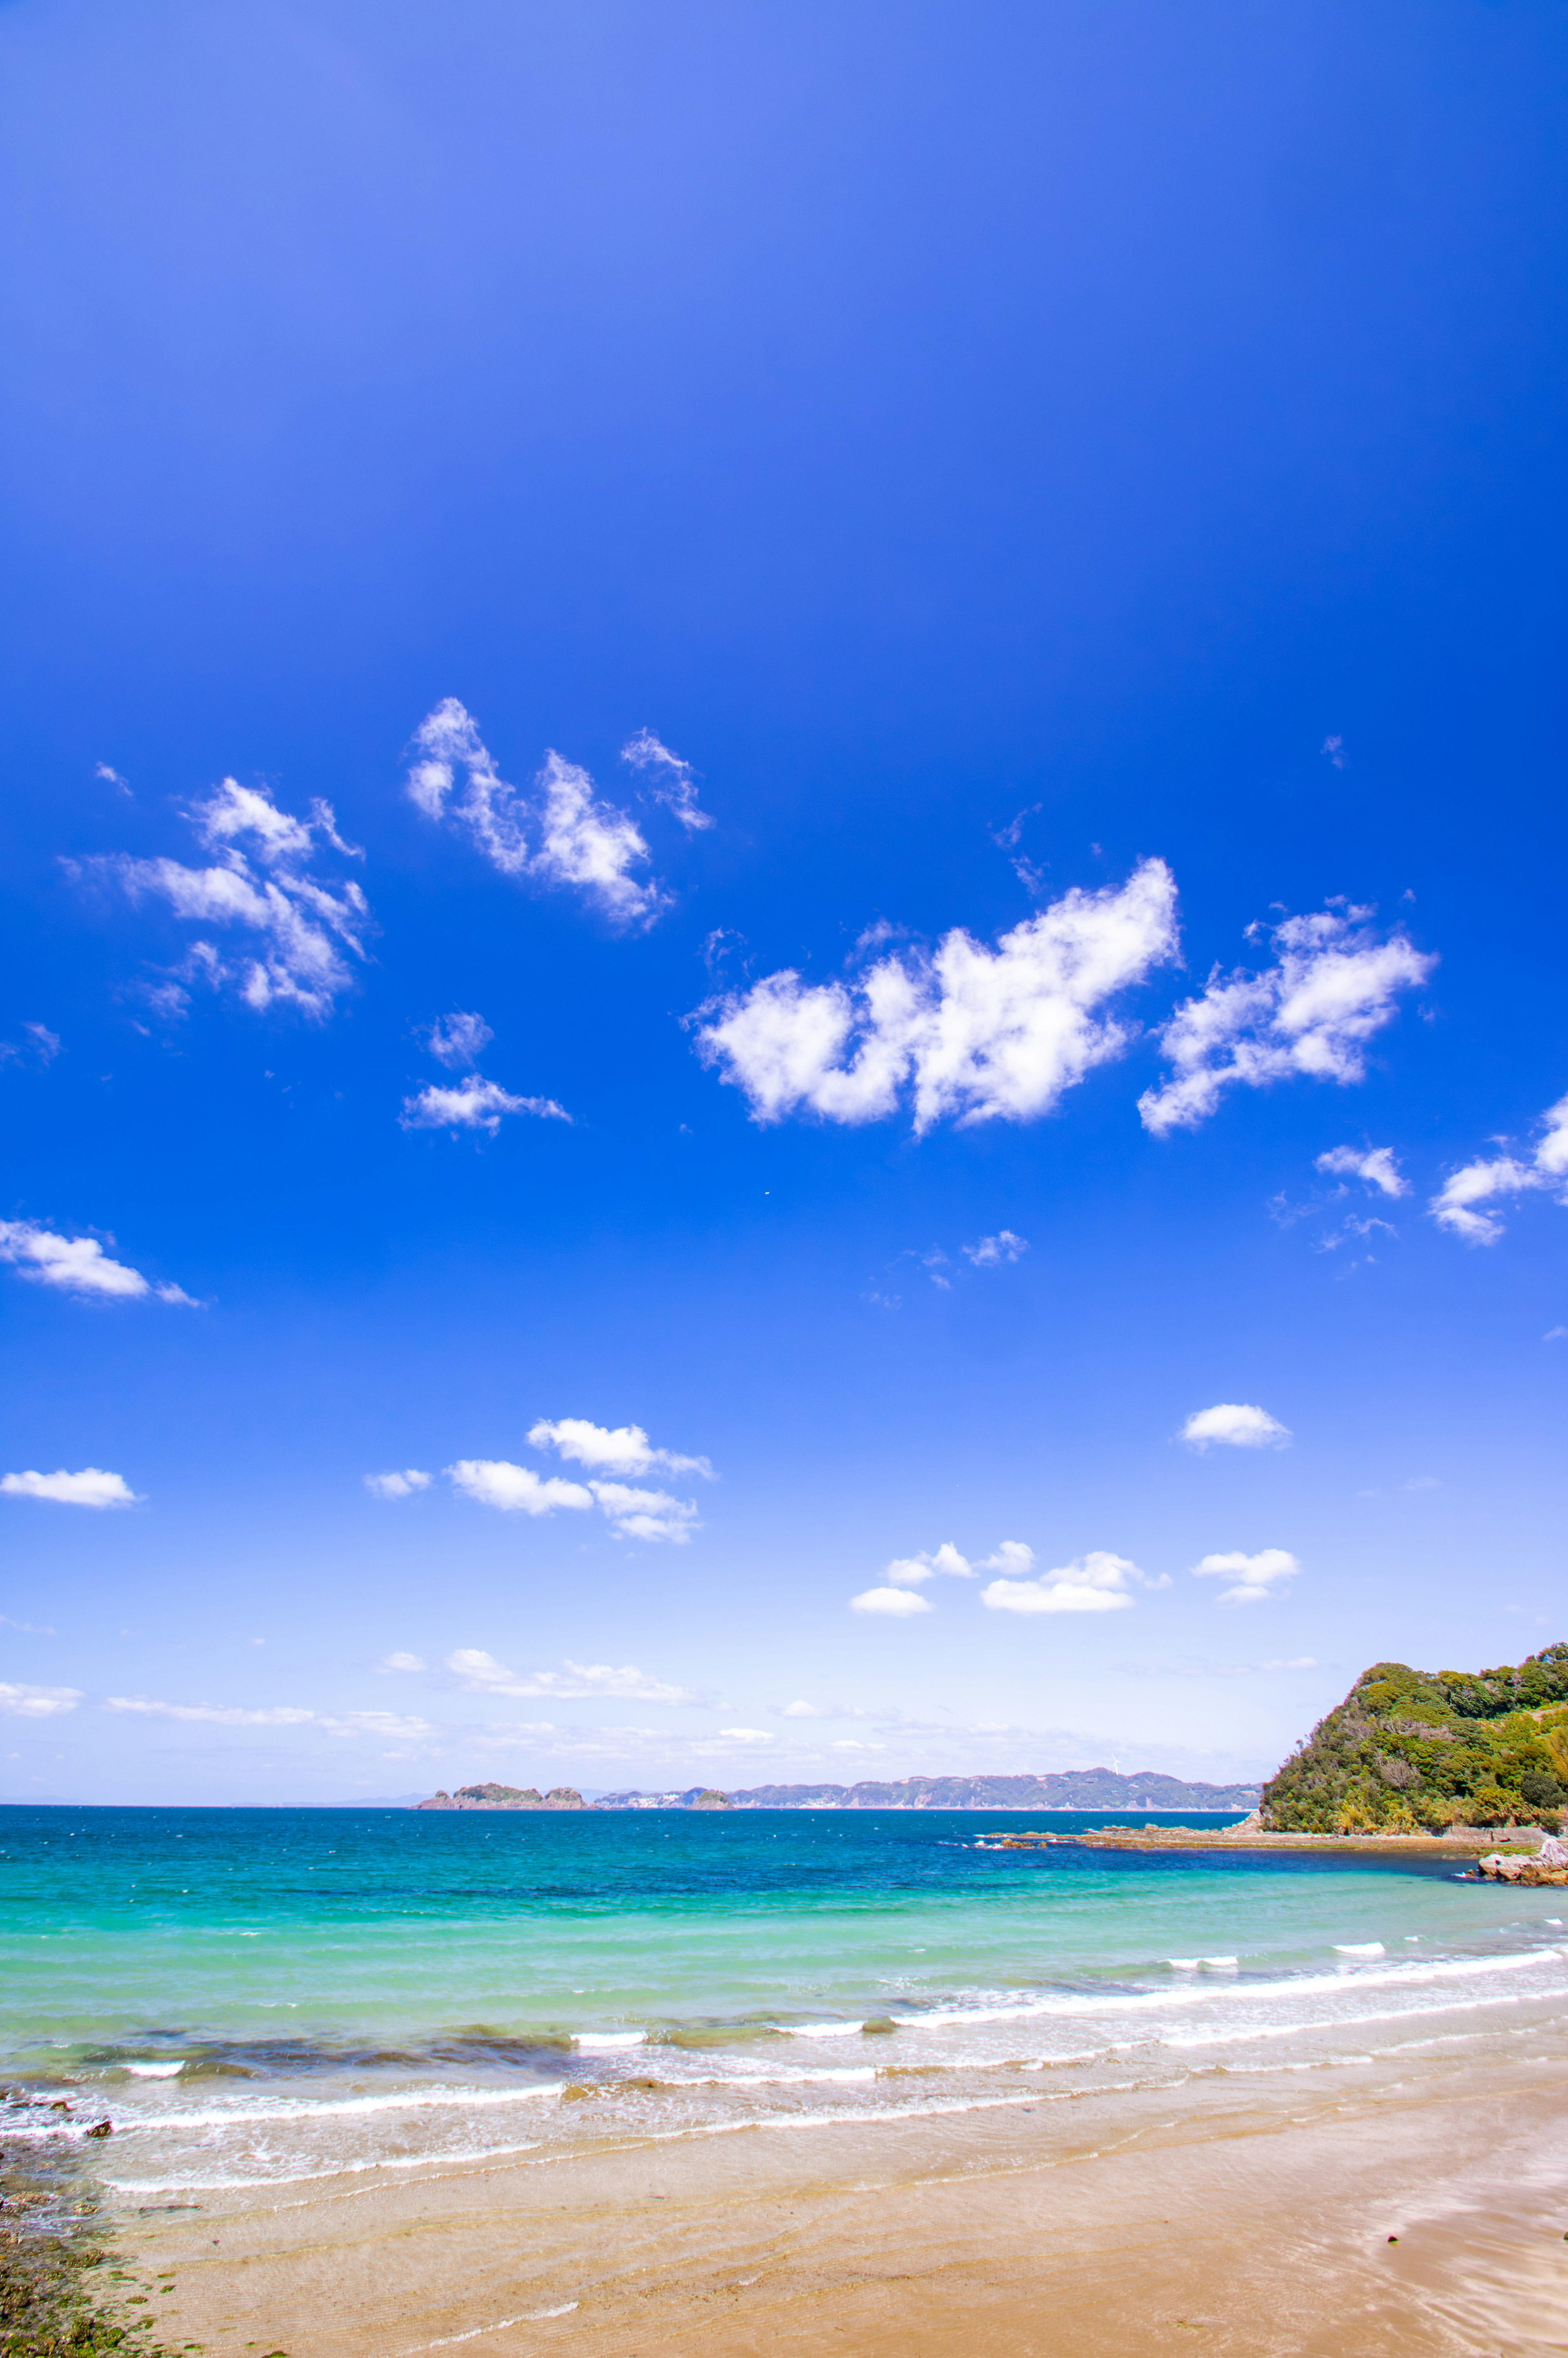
[941, 628]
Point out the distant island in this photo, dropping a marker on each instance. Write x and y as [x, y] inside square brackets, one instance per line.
[1071, 1788]
[1420, 1751]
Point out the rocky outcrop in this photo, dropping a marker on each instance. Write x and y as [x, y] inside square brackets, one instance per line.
[506, 1797]
[1548, 1865]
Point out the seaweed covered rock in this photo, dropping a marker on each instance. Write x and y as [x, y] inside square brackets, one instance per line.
[1409, 1751]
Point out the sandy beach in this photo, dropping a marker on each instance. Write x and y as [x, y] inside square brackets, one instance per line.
[1240, 2219]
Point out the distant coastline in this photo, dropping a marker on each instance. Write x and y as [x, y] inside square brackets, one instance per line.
[1072, 1789]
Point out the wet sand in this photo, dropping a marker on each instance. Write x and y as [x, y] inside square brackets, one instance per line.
[1239, 2215]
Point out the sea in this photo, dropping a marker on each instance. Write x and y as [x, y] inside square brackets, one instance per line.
[256, 1999]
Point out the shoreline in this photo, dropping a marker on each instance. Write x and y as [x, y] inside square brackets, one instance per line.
[1395, 2207]
[1472, 1843]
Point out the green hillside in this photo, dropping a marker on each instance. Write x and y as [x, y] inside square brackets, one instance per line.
[1412, 1750]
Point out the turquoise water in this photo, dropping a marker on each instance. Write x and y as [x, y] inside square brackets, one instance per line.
[251, 1995]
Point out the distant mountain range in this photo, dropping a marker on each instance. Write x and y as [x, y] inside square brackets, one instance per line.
[1070, 1788]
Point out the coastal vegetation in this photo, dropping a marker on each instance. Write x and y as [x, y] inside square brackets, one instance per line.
[1411, 1751]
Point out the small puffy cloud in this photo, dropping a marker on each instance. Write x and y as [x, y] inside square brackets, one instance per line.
[398, 1485]
[474, 1104]
[911, 1571]
[1253, 1577]
[401, 1662]
[1096, 1583]
[265, 883]
[79, 1265]
[800, 1709]
[971, 1034]
[37, 1702]
[670, 781]
[1237, 1424]
[617, 1449]
[581, 842]
[1454, 1208]
[91, 1487]
[482, 1674]
[1333, 749]
[897, 1604]
[457, 1040]
[992, 1250]
[747, 1734]
[1377, 1166]
[1334, 984]
[648, 1514]
[514, 1489]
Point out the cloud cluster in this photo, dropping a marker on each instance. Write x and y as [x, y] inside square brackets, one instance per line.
[1254, 1577]
[90, 1488]
[1237, 1424]
[264, 883]
[482, 1674]
[79, 1265]
[972, 1034]
[633, 1513]
[581, 842]
[670, 781]
[1096, 1583]
[991, 1251]
[474, 1104]
[37, 1702]
[1334, 982]
[1505, 1176]
[1377, 1166]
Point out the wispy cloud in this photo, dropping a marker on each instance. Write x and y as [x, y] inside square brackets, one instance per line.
[482, 1674]
[398, 1485]
[1334, 984]
[972, 1034]
[1096, 1583]
[619, 1449]
[1377, 1165]
[402, 1662]
[90, 1488]
[582, 842]
[1235, 1424]
[28, 1629]
[670, 780]
[37, 1702]
[1505, 1176]
[1253, 1577]
[79, 1265]
[991, 1251]
[263, 882]
[457, 1040]
[390, 1726]
[37, 1045]
[474, 1104]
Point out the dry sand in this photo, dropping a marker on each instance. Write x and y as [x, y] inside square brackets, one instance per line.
[1218, 2219]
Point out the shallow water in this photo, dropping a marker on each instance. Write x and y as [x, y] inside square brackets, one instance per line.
[253, 1996]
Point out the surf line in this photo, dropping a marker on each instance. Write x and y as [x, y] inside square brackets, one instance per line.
[476, 2334]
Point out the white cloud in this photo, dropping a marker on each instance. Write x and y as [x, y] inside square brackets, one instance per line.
[619, 1449]
[457, 1040]
[79, 1265]
[671, 781]
[898, 1604]
[474, 1104]
[482, 1674]
[910, 1572]
[582, 841]
[981, 1034]
[516, 1489]
[37, 1702]
[1482, 1181]
[398, 1485]
[402, 1662]
[1094, 1583]
[41, 1047]
[802, 1710]
[1236, 1424]
[635, 1514]
[1254, 1576]
[1334, 983]
[266, 889]
[747, 1734]
[91, 1487]
[991, 1250]
[396, 1725]
[1377, 1165]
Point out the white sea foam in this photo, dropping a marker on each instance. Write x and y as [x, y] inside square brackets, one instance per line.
[1359, 1948]
[592, 2041]
[152, 2070]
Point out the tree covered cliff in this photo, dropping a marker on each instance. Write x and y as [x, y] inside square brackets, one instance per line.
[1410, 1749]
